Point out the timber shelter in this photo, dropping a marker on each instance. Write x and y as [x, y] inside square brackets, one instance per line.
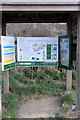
[46, 11]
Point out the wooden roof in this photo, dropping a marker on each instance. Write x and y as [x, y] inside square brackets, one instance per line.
[40, 1]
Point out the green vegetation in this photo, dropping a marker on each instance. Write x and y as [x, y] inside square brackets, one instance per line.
[74, 75]
[70, 98]
[57, 115]
[10, 106]
[26, 83]
[74, 79]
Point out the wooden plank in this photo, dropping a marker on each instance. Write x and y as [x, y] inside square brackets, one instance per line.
[68, 80]
[40, 2]
[69, 72]
[40, 8]
[6, 82]
[5, 73]
[0, 67]
[78, 65]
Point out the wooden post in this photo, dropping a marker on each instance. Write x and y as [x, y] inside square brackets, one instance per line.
[69, 72]
[78, 65]
[0, 69]
[5, 73]
[68, 80]
[6, 82]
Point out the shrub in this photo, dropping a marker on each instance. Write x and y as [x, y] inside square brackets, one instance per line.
[74, 75]
[55, 74]
[58, 115]
[11, 105]
[70, 98]
[41, 74]
[63, 76]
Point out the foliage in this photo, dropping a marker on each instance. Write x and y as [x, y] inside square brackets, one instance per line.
[10, 106]
[53, 72]
[63, 76]
[74, 75]
[41, 75]
[70, 98]
[48, 82]
[58, 115]
[73, 85]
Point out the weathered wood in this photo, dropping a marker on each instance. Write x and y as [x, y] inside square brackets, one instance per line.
[40, 2]
[68, 80]
[6, 82]
[78, 65]
[69, 72]
[0, 67]
[5, 73]
[40, 7]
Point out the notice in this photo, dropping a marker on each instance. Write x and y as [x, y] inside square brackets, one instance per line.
[64, 51]
[8, 52]
[37, 50]
[31, 49]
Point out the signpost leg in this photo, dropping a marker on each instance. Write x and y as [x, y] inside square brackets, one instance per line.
[6, 82]
[68, 80]
[69, 72]
[0, 69]
[5, 73]
[78, 65]
[0, 99]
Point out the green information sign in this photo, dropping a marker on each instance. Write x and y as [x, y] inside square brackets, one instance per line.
[37, 51]
[65, 51]
[8, 52]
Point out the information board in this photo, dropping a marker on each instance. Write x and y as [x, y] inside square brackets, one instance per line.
[8, 52]
[37, 51]
[65, 51]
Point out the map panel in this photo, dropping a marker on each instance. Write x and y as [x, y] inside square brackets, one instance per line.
[34, 51]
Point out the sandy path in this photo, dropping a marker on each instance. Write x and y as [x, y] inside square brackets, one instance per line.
[37, 108]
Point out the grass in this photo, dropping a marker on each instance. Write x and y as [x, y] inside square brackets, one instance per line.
[74, 79]
[10, 106]
[25, 84]
[70, 98]
[74, 75]
[58, 115]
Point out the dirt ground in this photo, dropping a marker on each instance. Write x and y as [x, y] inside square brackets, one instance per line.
[40, 108]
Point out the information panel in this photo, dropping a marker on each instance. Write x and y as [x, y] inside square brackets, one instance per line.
[8, 52]
[37, 51]
[65, 51]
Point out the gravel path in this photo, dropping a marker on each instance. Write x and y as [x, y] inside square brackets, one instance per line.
[37, 108]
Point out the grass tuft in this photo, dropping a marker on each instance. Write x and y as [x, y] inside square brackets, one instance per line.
[70, 98]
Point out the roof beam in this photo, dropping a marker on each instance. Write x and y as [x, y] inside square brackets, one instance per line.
[40, 8]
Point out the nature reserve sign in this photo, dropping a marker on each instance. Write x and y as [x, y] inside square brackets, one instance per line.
[37, 51]
[8, 52]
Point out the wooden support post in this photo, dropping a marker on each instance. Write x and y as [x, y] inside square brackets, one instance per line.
[5, 73]
[6, 82]
[0, 69]
[69, 72]
[78, 65]
[68, 80]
